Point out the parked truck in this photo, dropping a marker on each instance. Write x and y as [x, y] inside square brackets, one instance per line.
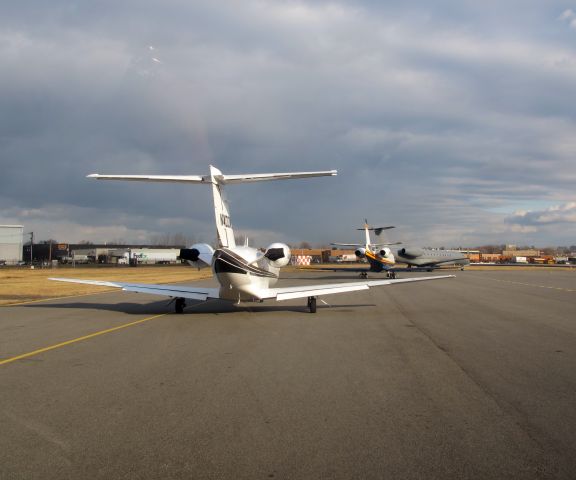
[153, 255]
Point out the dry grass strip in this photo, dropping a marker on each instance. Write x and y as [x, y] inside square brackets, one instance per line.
[24, 285]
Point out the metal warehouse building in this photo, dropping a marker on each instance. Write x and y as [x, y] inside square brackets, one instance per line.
[11, 244]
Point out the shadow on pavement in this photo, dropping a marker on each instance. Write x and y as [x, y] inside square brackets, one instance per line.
[192, 307]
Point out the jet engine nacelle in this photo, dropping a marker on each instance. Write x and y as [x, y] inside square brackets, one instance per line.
[278, 254]
[198, 255]
[360, 252]
[411, 252]
[385, 252]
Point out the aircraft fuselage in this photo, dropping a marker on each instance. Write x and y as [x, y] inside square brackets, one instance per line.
[431, 258]
[243, 272]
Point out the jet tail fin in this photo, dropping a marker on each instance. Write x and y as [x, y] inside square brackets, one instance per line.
[217, 179]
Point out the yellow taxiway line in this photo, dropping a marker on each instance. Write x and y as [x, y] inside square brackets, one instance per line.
[79, 339]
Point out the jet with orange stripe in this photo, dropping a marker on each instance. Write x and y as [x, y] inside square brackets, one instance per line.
[379, 255]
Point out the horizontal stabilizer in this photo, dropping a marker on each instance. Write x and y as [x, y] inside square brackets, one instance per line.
[262, 177]
[150, 178]
[363, 245]
[377, 230]
[219, 179]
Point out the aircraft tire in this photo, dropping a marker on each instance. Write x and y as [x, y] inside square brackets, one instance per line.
[179, 305]
[312, 304]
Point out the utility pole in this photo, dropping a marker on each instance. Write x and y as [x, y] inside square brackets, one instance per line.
[31, 246]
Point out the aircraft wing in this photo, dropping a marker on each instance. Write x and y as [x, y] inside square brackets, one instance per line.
[337, 269]
[177, 291]
[367, 269]
[288, 293]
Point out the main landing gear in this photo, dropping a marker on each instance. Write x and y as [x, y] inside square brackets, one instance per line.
[179, 305]
[312, 304]
[364, 275]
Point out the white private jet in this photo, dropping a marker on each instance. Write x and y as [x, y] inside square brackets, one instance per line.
[245, 274]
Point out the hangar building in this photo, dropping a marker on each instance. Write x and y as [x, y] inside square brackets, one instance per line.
[11, 244]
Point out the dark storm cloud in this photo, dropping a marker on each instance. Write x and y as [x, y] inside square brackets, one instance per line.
[441, 119]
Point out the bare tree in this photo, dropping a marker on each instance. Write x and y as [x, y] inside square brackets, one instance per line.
[172, 239]
[50, 241]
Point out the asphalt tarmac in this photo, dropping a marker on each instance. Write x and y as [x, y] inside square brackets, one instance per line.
[466, 378]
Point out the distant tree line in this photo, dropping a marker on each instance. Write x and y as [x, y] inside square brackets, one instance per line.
[179, 239]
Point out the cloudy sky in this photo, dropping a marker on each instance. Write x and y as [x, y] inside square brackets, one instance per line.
[454, 120]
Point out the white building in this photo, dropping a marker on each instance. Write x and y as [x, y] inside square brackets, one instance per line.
[11, 244]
